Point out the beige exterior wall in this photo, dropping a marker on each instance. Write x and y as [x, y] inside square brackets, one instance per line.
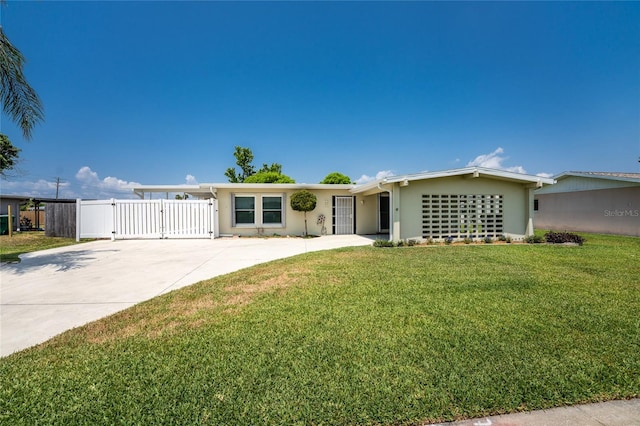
[517, 202]
[367, 214]
[293, 220]
[606, 211]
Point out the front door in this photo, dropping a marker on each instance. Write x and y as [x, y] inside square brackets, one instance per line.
[343, 215]
[383, 212]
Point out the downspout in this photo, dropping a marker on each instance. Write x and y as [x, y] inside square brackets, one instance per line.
[390, 209]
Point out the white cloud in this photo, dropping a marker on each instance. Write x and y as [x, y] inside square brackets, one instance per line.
[87, 185]
[40, 188]
[494, 160]
[191, 180]
[94, 187]
[380, 175]
[544, 175]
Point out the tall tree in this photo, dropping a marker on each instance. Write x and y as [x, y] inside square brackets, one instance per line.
[244, 158]
[19, 101]
[267, 174]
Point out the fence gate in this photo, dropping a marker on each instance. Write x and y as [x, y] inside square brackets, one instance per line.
[127, 219]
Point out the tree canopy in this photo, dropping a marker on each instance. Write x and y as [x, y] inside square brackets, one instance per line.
[336, 178]
[8, 155]
[269, 177]
[248, 174]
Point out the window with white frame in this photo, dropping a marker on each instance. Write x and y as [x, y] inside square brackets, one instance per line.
[263, 210]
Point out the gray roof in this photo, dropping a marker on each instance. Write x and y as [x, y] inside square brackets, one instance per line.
[621, 176]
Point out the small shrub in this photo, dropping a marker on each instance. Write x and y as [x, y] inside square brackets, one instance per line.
[448, 240]
[502, 238]
[400, 243]
[412, 243]
[383, 243]
[563, 237]
[467, 240]
[488, 240]
[534, 239]
[507, 240]
[430, 241]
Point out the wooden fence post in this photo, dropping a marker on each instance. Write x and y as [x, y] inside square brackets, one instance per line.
[10, 221]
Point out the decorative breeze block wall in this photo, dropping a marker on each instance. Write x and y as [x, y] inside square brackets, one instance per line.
[462, 216]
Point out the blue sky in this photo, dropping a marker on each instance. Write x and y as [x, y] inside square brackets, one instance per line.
[161, 92]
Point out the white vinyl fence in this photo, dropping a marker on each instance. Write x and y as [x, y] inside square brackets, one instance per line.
[127, 219]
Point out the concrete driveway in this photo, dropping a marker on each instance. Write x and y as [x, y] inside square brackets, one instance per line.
[54, 290]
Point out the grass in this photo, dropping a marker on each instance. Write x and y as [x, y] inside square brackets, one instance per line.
[353, 336]
[26, 242]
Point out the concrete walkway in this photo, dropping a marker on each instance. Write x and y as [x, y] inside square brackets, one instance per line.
[54, 290]
[611, 413]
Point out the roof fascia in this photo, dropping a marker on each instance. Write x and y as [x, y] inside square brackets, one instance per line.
[15, 197]
[272, 186]
[472, 171]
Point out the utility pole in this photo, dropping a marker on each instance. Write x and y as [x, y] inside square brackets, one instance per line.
[57, 186]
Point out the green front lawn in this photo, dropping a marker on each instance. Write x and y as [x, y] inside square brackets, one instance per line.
[26, 242]
[353, 336]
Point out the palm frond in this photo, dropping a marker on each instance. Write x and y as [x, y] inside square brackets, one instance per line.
[19, 100]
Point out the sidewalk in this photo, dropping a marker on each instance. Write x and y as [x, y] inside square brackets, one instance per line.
[611, 413]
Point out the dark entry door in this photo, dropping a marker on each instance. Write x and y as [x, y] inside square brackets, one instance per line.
[383, 212]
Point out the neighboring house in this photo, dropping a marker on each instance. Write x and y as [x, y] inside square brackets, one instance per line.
[15, 201]
[471, 201]
[601, 202]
